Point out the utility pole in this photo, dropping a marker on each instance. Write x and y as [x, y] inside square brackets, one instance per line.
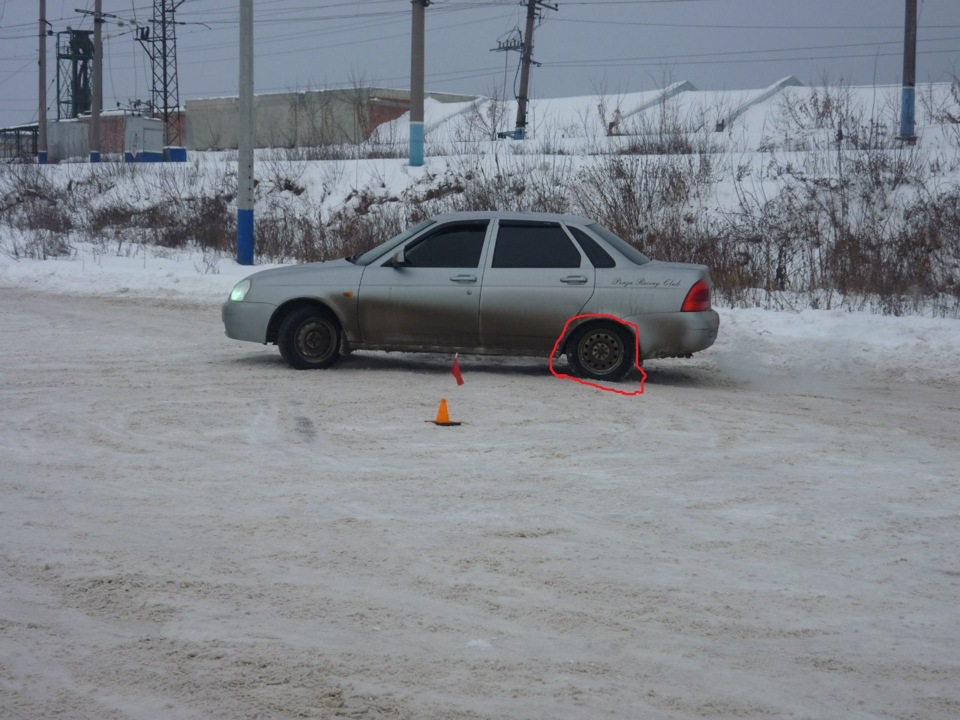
[908, 99]
[42, 110]
[416, 81]
[245, 198]
[97, 81]
[527, 60]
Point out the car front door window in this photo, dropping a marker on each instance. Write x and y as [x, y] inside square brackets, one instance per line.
[452, 246]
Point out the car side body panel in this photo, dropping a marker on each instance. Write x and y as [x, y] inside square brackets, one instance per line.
[413, 305]
[548, 298]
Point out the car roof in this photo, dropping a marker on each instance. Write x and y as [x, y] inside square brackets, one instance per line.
[510, 215]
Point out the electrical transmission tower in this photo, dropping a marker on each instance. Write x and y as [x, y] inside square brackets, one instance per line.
[159, 39]
[74, 70]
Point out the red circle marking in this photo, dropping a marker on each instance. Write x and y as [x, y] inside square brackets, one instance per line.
[636, 355]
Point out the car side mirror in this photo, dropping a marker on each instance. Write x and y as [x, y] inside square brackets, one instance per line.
[398, 259]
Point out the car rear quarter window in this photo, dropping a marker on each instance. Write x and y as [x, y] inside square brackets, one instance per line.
[458, 245]
[534, 245]
[620, 245]
[591, 248]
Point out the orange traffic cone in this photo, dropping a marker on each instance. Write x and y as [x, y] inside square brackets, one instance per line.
[443, 415]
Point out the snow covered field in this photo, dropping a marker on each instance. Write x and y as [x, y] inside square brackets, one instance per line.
[189, 529]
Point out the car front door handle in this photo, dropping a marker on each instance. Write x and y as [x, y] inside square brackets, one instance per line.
[464, 278]
[574, 280]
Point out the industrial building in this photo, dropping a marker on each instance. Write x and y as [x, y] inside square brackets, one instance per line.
[293, 119]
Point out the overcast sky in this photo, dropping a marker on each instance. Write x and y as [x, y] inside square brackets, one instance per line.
[620, 45]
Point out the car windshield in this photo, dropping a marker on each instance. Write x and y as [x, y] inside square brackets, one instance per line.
[620, 245]
[370, 255]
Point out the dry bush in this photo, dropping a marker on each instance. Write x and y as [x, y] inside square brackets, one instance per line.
[350, 234]
[214, 223]
[517, 183]
[484, 120]
[644, 198]
[36, 245]
[941, 110]
[285, 239]
[29, 200]
[664, 130]
[855, 229]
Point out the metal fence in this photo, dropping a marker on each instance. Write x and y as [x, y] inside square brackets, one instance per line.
[19, 143]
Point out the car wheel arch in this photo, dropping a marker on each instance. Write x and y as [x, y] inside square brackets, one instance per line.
[605, 321]
[291, 306]
[610, 338]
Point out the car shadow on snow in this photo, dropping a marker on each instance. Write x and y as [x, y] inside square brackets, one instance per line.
[665, 373]
[673, 373]
[442, 363]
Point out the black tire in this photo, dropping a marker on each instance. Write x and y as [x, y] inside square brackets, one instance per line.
[601, 351]
[309, 338]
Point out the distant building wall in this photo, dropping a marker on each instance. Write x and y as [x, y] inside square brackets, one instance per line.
[143, 135]
[67, 139]
[300, 119]
[119, 134]
[111, 134]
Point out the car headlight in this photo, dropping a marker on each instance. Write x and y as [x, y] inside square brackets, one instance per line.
[240, 290]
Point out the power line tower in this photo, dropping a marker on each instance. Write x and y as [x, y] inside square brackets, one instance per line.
[74, 71]
[159, 39]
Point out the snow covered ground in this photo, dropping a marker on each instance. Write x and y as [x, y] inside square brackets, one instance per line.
[189, 529]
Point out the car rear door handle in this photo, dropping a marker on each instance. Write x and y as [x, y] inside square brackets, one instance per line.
[464, 278]
[574, 279]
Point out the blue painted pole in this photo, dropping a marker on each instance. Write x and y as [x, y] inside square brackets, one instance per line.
[245, 236]
[908, 113]
[245, 185]
[908, 98]
[416, 82]
[416, 143]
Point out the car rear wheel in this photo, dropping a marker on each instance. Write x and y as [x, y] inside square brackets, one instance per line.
[601, 352]
[309, 338]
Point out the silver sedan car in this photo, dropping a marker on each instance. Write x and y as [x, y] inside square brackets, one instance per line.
[493, 283]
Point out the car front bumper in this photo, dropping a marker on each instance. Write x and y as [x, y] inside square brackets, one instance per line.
[246, 320]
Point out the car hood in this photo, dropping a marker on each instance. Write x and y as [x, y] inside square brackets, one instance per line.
[315, 272]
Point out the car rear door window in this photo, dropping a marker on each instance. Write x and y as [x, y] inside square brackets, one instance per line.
[534, 245]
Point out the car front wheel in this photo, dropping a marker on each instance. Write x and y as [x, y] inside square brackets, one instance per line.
[309, 338]
[601, 352]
